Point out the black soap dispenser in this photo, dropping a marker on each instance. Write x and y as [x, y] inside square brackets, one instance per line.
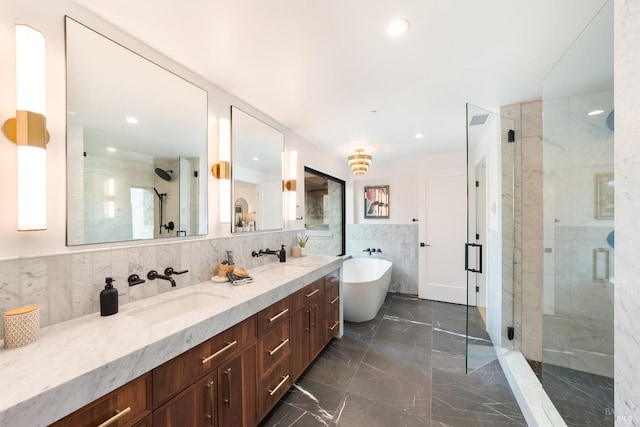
[108, 299]
[283, 254]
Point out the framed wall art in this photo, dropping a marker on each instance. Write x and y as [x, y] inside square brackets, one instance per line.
[376, 202]
[605, 196]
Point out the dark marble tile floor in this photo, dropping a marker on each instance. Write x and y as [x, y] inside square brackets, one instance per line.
[581, 398]
[406, 367]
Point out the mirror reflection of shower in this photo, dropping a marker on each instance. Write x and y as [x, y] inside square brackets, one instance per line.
[165, 175]
[162, 197]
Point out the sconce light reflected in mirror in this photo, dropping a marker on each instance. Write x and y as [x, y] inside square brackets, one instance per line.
[28, 130]
[222, 169]
[291, 183]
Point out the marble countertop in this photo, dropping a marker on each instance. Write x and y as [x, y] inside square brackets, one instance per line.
[77, 361]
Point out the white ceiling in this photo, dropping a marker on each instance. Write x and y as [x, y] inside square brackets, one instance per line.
[321, 67]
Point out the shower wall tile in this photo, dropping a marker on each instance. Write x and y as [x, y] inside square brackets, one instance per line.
[531, 120]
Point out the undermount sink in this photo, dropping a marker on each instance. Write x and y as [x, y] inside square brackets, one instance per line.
[170, 309]
[284, 268]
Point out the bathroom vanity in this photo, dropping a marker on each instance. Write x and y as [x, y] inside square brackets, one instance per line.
[225, 362]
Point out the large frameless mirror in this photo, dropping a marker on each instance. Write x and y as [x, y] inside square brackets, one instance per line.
[257, 172]
[136, 145]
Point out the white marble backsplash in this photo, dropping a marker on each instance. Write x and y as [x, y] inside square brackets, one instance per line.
[66, 286]
[398, 243]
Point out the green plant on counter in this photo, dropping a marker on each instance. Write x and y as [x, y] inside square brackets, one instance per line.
[302, 240]
[239, 223]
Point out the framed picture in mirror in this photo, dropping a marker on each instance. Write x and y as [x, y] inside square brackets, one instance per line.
[605, 196]
[376, 202]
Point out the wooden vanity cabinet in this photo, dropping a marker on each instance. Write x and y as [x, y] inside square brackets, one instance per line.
[125, 406]
[307, 326]
[273, 350]
[227, 391]
[332, 305]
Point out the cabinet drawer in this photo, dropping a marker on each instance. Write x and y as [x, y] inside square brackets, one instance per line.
[273, 316]
[332, 297]
[273, 387]
[181, 371]
[305, 295]
[332, 322]
[273, 348]
[332, 279]
[124, 406]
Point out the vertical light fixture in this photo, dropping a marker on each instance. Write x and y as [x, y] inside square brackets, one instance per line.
[221, 170]
[111, 193]
[28, 129]
[291, 183]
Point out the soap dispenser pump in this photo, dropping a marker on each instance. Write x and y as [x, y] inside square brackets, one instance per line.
[108, 298]
[283, 254]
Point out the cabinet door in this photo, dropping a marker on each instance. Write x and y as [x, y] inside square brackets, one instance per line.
[193, 407]
[236, 391]
[300, 341]
[318, 335]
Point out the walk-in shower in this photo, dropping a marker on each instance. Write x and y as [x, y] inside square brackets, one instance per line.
[578, 227]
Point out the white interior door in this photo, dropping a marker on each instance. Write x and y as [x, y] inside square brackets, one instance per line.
[445, 222]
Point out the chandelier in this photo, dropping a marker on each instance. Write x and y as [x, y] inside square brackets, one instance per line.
[359, 162]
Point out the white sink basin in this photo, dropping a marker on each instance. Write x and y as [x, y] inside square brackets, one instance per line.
[284, 269]
[178, 306]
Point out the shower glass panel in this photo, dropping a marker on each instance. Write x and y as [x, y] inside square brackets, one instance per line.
[578, 241]
[490, 236]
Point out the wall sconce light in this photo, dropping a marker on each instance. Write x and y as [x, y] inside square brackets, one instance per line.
[29, 129]
[291, 183]
[222, 169]
[359, 162]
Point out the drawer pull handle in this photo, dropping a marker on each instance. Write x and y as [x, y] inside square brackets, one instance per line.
[334, 300]
[313, 293]
[277, 316]
[282, 344]
[211, 402]
[219, 352]
[334, 279]
[228, 399]
[274, 391]
[336, 323]
[116, 417]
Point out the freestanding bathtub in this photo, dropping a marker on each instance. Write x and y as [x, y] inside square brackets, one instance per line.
[365, 284]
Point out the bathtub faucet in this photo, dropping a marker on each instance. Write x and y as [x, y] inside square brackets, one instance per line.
[372, 250]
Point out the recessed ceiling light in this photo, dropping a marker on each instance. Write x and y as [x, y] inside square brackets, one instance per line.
[131, 120]
[255, 159]
[398, 27]
[595, 112]
[418, 135]
[111, 149]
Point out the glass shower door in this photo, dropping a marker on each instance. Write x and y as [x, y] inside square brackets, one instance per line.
[488, 251]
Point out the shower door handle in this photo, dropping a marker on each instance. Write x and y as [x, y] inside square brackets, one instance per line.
[478, 268]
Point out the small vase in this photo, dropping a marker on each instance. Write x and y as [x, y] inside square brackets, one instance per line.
[295, 251]
[304, 251]
[239, 229]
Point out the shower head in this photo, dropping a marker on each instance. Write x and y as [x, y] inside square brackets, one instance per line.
[478, 120]
[164, 174]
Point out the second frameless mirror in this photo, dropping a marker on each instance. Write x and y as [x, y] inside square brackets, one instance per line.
[257, 172]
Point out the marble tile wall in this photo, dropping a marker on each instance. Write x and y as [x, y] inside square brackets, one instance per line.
[627, 165]
[398, 243]
[325, 239]
[68, 285]
[526, 306]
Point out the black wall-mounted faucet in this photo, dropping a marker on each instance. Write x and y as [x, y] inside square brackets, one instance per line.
[281, 254]
[153, 275]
